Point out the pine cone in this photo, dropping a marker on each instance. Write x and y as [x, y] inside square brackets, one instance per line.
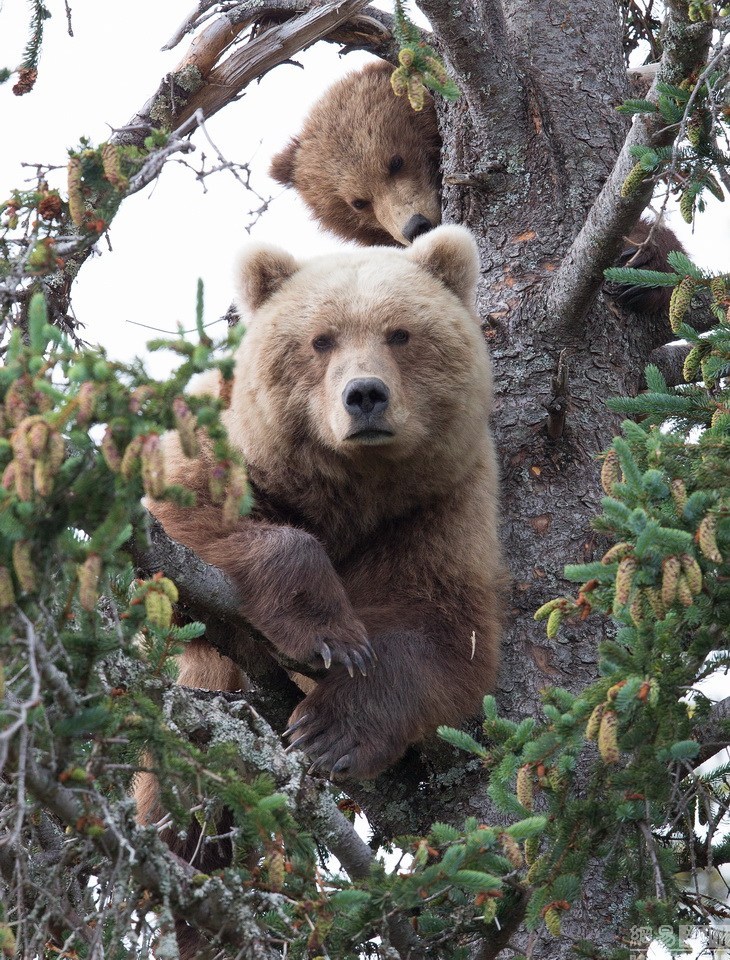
[610, 472]
[680, 302]
[608, 739]
[671, 569]
[50, 207]
[27, 77]
[707, 538]
[633, 181]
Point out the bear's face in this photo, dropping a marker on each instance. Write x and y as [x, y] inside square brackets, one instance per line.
[375, 176]
[372, 357]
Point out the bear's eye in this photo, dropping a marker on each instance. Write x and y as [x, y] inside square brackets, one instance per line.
[360, 204]
[323, 343]
[398, 337]
[395, 164]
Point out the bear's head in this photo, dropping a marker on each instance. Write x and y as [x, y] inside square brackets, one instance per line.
[362, 364]
[366, 163]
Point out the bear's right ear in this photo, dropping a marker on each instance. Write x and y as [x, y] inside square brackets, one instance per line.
[450, 254]
[283, 164]
[260, 271]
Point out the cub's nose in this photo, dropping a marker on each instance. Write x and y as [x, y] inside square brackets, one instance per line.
[417, 225]
[365, 396]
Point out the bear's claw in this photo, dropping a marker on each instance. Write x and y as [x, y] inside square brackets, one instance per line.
[359, 662]
[295, 726]
[341, 766]
[325, 653]
[348, 656]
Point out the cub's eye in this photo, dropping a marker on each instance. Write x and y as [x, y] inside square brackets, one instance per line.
[323, 344]
[398, 337]
[395, 164]
[360, 204]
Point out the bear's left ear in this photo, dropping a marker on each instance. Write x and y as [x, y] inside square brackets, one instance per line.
[450, 254]
[259, 272]
[283, 164]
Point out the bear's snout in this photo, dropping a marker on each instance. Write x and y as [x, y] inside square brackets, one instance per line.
[417, 225]
[366, 399]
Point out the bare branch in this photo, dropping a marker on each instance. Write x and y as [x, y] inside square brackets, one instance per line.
[189, 23]
[612, 217]
[273, 47]
[201, 82]
[651, 850]
[205, 716]
[157, 870]
[197, 88]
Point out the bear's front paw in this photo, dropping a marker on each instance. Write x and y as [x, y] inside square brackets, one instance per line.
[337, 741]
[356, 652]
[345, 642]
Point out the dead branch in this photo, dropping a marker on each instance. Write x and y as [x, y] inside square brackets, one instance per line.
[273, 47]
[200, 86]
[227, 912]
[201, 82]
[191, 21]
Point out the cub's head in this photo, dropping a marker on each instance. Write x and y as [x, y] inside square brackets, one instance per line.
[365, 357]
[366, 164]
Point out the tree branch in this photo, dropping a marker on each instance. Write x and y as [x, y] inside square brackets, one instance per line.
[201, 82]
[219, 908]
[612, 217]
[155, 868]
[207, 593]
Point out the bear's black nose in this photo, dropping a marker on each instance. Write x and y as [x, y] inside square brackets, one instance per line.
[417, 225]
[366, 396]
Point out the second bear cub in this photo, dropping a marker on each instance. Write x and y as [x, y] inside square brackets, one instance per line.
[367, 166]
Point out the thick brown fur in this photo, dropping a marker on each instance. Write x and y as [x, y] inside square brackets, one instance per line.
[380, 541]
[646, 248]
[344, 152]
[347, 151]
[374, 532]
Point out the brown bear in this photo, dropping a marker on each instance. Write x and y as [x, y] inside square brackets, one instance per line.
[360, 403]
[367, 166]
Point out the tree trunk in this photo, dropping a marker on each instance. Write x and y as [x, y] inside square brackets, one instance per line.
[521, 169]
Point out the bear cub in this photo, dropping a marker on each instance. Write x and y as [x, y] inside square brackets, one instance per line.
[360, 403]
[367, 167]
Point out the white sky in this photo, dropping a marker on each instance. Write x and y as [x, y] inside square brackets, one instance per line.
[168, 235]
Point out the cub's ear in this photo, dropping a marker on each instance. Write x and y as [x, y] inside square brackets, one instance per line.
[284, 163]
[259, 272]
[450, 254]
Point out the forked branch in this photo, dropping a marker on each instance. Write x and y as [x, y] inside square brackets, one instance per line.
[612, 217]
